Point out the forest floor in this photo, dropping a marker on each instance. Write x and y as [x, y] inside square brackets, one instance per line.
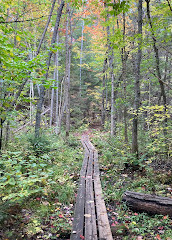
[40, 204]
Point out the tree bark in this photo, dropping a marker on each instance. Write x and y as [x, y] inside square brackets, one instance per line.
[67, 75]
[112, 104]
[160, 80]
[81, 55]
[57, 86]
[7, 134]
[151, 204]
[52, 102]
[137, 83]
[61, 106]
[156, 51]
[1, 133]
[157, 61]
[103, 108]
[124, 60]
[111, 59]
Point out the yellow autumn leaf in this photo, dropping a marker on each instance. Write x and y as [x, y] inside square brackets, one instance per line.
[43, 181]
[18, 38]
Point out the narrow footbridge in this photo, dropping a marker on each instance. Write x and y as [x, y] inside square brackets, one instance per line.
[90, 217]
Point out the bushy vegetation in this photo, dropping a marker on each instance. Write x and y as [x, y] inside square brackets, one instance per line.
[37, 187]
[122, 171]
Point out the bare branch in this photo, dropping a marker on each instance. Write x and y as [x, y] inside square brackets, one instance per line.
[169, 5]
[20, 21]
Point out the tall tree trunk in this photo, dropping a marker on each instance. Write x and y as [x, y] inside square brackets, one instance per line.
[156, 56]
[1, 133]
[124, 60]
[67, 75]
[7, 134]
[157, 59]
[31, 96]
[111, 59]
[103, 108]
[157, 62]
[61, 105]
[81, 56]
[42, 89]
[137, 83]
[31, 93]
[52, 102]
[112, 103]
[57, 86]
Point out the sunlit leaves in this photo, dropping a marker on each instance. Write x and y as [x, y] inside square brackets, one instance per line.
[119, 7]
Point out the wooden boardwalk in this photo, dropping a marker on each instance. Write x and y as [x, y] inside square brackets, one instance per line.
[90, 217]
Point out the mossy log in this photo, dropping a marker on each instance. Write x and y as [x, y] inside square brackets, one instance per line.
[151, 204]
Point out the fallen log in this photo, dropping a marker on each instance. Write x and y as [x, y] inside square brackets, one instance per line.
[148, 203]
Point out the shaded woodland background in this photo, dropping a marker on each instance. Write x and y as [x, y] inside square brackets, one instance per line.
[68, 67]
[104, 64]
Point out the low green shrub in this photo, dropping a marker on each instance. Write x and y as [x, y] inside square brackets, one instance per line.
[39, 145]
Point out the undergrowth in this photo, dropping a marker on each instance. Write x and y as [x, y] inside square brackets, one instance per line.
[37, 185]
[122, 171]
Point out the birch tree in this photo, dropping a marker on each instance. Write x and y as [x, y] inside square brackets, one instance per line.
[137, 82]
[81, 56]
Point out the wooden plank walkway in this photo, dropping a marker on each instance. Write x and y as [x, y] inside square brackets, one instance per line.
[90, 217]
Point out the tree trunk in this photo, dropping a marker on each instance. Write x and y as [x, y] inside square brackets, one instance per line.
[67, 75]
[31, 93]
[137, 83]
[42, 89]
[57, 86]
[81, 55]
[103, 108]
[7, 134]
[112, 105]
[156, 51]
[61, 106]
[124, 60]
[111, 59]
[52, 102]
[157, 61]
[1, 133]
[151, 204]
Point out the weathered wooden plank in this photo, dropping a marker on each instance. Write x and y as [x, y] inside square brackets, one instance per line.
[84, 143]
[90, 195]
[90, 216]
[91, 145]
[78, 222]
[84, 165]
[102, 218]
[96, 165]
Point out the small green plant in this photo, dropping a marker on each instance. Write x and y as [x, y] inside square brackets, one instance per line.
[145, 225]
[21, 176]
[39, 145]
[41, 182]
[72, 142]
